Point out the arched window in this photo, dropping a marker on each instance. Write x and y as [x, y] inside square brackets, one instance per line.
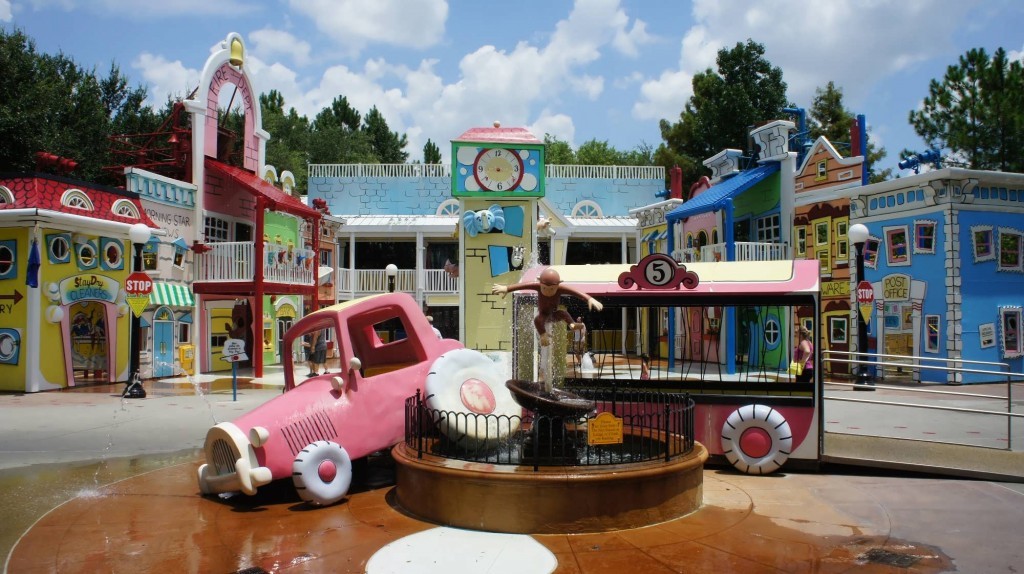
[587, 208]
[714, 236]
[702, 238]
[6, 196]
[448, 207]
[77, 199]
[772, 332]
[125, 208]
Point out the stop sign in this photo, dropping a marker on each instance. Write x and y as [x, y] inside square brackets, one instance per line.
[865, 294]
[138, 283]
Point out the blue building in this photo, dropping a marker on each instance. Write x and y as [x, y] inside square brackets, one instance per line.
[944, 258]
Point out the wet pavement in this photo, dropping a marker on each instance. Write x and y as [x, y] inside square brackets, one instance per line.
[93, 483]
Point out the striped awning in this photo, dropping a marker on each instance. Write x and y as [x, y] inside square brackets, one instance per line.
[171, 294]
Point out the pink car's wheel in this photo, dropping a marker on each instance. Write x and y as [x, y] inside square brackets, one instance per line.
[756, 439]
[470, 388]
[322, 473]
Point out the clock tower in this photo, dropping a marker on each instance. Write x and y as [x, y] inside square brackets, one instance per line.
[497, 176]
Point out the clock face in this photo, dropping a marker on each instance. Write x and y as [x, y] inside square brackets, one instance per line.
[498, 169]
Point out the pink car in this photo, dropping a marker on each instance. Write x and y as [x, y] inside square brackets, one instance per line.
[315, 429]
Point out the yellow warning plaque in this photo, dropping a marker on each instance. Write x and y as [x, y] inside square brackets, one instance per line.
[605, 428]
[138, 303]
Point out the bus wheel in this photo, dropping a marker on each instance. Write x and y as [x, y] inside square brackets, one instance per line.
[756, 439]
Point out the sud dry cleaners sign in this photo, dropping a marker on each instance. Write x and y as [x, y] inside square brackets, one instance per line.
[89, 287]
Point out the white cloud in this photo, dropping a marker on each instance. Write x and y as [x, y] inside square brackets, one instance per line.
[354, 24]
[856, 45]
[145, 10]
[627, 41]
[5, 11]
[269, 43]
[165, 78]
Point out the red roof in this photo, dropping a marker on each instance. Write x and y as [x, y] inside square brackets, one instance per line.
[499, 135]
[276, 199]
[43, 191]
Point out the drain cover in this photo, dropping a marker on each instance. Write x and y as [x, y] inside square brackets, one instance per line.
[890, 558]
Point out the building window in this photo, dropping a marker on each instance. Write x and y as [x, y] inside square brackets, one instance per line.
[149, 254]
[184, 333]
[77, 199]
[838, 329]
[842, 242]
[714, 236]
[448, 207]
[1009, 332]
[8, 259]
[981, 238]
[822, 170]
[113, 254]
[1010, 250]
[179, 256]
[325, 258]
[871, 252]
[931, 336]
[825, 263]
[772, 332]
[6, 197]
[86, 252]
[769, 229]
[125, 208]
[897, 246]
[587, 209]
[924, 236]
[821, 233]
[58, 247]
[800, 241]
[216, 229]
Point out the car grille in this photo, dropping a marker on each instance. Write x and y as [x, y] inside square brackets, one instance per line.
[300, 434]
[224, 457]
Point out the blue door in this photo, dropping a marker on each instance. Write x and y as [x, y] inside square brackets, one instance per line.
[163, 348]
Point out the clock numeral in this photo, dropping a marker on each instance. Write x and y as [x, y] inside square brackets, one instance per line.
[480, 168]
[497, 153]
[499, 187]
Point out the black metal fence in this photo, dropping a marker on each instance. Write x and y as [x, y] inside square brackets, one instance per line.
[654, 425]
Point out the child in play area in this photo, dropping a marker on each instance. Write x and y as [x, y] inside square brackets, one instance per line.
[549, 290]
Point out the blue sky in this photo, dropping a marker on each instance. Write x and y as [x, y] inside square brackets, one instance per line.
[589, 69]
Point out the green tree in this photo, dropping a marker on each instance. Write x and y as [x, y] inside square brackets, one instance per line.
[558, 152]
[389, 146]
[289, 142]
[50, 103]
[335, 136]
[744, 90]
[829, 117]
[431, 153]
[976, 112]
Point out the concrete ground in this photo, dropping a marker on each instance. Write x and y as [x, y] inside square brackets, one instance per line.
[110, 485]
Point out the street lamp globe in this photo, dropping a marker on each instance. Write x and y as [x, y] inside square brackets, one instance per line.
[391, 271]
[858, 233]
[139, 233]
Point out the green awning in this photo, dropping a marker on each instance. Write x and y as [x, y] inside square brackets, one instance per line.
[171, 294]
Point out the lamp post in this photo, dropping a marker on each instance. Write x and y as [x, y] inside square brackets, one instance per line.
[858, 235]
[392, 272]
[139, 234]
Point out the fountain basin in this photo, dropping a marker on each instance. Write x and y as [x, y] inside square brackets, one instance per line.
[550, 500]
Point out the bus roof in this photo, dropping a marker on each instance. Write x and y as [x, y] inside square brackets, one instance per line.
[718, 279]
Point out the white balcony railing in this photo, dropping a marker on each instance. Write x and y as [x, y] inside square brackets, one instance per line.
[235, 261]
[745, 251]
[385, 170]
[363, 281]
